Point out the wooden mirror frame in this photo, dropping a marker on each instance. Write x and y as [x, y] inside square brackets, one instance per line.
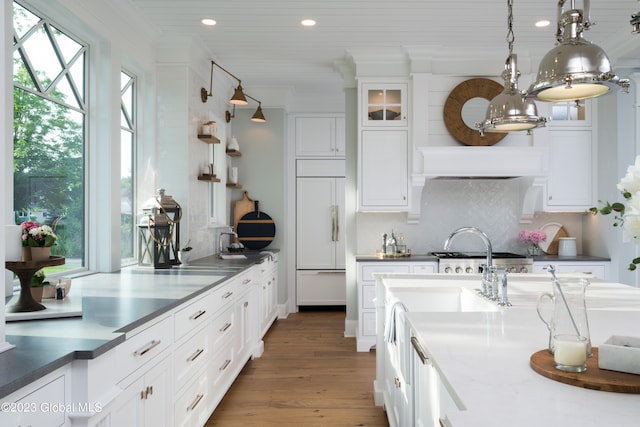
[469, 89]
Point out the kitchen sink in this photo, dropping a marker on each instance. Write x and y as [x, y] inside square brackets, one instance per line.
[442, 299]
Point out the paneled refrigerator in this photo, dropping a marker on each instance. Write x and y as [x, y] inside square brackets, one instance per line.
[320, 246]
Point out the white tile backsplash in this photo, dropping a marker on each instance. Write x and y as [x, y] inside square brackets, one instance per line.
[492, 205]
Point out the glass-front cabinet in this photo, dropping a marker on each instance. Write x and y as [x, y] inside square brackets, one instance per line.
[384, 104]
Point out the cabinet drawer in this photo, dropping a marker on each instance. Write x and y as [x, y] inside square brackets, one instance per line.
[368, 270]
[191, 356]
[193, 315]
[141, 348]
[368, 295]
[223, 326]
[221, 369]
[191, 407]
[31, 411]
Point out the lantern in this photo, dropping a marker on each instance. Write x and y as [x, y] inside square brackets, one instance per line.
[159, 232]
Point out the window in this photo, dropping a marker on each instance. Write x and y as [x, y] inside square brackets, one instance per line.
[49, 69]
[127, 144]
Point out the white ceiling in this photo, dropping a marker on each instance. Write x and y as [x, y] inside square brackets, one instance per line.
[263, 43]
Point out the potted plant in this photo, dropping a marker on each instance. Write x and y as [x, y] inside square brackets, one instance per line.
[37, 285]
[37, 240]
[184, 254]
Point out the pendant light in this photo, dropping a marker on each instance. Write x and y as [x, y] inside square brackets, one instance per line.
[635, 22]
[511, 110]
[575, 68]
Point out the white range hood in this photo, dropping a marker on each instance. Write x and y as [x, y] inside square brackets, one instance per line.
[473, 162]
[464, 162]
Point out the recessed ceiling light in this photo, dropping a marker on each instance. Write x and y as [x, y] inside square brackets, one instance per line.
[208, 21]
[543, 23]
[308, 22]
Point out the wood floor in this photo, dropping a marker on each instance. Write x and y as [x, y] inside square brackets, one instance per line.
[309, 375]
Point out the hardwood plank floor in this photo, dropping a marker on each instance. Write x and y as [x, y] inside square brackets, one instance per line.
[309, 375]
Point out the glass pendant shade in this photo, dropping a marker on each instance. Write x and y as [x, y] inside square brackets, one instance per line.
[575, 68]
[238, 97]
[258, 116]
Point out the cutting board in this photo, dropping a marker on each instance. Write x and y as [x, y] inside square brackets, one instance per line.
[256, 229]
[593, 378]
[554, 232]
[241, 208]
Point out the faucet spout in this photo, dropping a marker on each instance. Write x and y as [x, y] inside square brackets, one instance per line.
[220, 239]
[477, 232]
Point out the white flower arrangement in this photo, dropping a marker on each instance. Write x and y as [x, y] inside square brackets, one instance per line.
[626, 215]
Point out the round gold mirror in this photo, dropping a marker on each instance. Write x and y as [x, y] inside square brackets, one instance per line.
[468, 92]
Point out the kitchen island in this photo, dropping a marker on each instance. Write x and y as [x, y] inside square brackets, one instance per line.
[136, 319]
[476, 359]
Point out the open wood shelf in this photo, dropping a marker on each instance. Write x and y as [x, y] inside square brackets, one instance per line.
[229, 185]
[233, 153]
[208, 178]
[209, 139]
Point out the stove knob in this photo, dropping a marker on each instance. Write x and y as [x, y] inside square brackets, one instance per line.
[447, 270]
[458, 269]
[469, 270]
[524, 270]
[513, 270]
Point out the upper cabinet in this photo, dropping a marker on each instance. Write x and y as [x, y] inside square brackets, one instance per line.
[383, 104]
[319, 136]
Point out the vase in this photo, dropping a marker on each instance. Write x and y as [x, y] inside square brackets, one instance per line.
[26, 253]
[36, 293]
[534, 250]
[40, 253]
[183, 257]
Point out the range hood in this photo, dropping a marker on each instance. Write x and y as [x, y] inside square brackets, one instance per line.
[480, 162]
[486, 162]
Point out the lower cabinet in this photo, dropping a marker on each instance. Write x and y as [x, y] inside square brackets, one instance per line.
[366, 335]
[146, 399]
[175, 370]
[599, 269]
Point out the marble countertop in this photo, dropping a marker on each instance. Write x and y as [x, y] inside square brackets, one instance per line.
[483, 358]
[112, 305]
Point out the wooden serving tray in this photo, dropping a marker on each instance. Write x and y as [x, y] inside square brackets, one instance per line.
[594, 378]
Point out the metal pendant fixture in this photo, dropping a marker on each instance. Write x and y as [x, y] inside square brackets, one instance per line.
[511, 110]
[575, 68]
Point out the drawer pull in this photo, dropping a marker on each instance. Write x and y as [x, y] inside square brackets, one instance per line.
[195, 402]
[197, 315]
[147, 348]
[195, 355]
[419, 350]
[227, 295]
[246, 281]
[226, 363]
[225, 327]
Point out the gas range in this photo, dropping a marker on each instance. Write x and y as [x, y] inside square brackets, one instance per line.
[469, 262]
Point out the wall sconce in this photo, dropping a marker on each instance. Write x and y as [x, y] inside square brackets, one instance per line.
[635, 22]
[238, 98]
[257, 117]
[238, 95]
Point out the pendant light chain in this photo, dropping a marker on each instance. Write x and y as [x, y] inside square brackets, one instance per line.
[510, 36]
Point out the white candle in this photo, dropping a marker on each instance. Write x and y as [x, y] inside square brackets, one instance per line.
[570, 351]
[12, 243]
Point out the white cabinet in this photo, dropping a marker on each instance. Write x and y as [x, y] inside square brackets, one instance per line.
[33, 405]
[366, 284]
[319, 136]
[599, 269]
[383, 177]
[572, 172]
[146, 398]
[321, 287]
[383, 104]
[268, 272]
[431, 399]
[320, 223]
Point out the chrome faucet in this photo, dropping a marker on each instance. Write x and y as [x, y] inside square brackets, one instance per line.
[220, 239]
[486, 271]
